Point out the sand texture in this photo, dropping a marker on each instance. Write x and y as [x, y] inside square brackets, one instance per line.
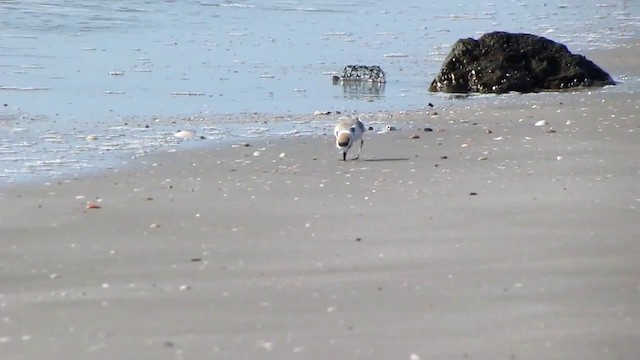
[486, 238]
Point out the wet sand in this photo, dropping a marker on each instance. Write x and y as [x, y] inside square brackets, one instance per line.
[486, 238]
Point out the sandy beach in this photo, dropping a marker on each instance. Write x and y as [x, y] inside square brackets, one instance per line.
[487, 237]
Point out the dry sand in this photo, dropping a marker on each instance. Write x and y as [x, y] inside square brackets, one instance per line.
[215, 253]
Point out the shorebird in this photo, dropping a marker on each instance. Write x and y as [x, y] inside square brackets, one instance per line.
[347, 131]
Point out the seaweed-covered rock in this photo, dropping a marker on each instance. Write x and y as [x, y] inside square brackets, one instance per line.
[500, 62]
[362, 73]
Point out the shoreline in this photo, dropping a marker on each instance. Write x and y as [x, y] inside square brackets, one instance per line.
[488, 237]
[226, 128]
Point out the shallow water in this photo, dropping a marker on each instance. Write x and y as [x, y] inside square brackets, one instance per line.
[134, 72]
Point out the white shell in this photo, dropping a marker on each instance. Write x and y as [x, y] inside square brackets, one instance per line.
[184, 134]
[541, 123]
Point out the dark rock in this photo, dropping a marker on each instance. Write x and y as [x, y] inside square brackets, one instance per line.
[500, 62]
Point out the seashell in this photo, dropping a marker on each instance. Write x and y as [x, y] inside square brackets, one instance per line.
[541, 123]
[91, 137]
[92, 205]
[184, 134]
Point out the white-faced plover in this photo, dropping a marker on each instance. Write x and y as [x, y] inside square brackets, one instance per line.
[348, 131]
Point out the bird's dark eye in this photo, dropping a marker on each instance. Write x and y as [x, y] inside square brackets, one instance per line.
[353, 129]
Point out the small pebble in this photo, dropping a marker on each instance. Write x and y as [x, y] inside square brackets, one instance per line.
[154, 225]
[91, 137]
[428, 129]
[473, 193]
[415, 136]
[541, 123]
[283, 155]
[257, 153]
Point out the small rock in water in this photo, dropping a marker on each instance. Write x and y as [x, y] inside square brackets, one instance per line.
[541, 123]
[91, 137]
[184, 134]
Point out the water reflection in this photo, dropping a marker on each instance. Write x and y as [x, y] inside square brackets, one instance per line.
[355, 89]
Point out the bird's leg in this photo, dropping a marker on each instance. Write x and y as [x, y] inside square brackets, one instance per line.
[344, 156]
[359, 150]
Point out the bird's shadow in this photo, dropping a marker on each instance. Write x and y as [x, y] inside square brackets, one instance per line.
[387, 159]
